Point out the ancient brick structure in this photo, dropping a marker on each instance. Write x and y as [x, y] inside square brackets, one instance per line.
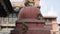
[30, 21]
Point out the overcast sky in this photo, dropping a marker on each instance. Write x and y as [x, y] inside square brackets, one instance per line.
[48, 8]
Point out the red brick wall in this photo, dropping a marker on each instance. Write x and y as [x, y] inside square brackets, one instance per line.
[29, 31]
[33, 32]
[38, 32]
[35, 25]
[31, 25]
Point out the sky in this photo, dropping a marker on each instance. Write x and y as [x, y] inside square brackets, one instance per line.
[48, 7]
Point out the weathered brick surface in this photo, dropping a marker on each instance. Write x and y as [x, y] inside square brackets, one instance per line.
[31, 25]
[34, 26]
[29, 13]
[33, 32]
[38, 32]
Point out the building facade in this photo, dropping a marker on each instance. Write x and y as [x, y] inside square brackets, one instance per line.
[31, 21]
[8, 23]
[48, 23]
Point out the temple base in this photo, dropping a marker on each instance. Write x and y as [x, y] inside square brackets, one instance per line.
[31, 32]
